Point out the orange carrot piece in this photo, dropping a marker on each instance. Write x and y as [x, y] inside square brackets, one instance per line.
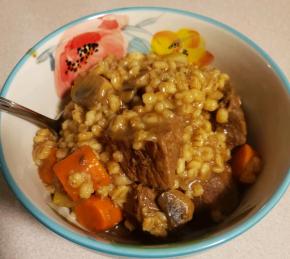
[97, 214]
[241, 158]
[45, 171]
[82, 160]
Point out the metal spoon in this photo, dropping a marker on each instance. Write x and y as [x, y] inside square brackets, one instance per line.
[32, 116]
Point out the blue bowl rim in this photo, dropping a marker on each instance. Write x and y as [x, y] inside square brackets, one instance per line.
[143, 251]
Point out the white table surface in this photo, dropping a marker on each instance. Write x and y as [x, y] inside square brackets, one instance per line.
[23, 22]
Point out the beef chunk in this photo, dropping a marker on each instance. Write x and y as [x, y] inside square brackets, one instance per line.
[216, 186]
[155, 164]
[177, 207]
[141, 208]
[141, 201]
[220, 194]
[236, 128]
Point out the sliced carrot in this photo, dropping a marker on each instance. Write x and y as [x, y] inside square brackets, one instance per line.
[245, 164]
[97, 214]
[241, 158]
[45, 171]
[82, 160]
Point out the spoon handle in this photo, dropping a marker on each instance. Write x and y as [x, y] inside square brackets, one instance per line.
[27, 114]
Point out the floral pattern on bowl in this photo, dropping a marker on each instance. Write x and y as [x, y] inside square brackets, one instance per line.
[84, 45]
[186, 42]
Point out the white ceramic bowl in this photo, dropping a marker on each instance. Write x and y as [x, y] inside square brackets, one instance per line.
[262, 86]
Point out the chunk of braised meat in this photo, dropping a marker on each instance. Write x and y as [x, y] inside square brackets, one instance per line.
[177, 207]
[216, 186]
[220, 195]
[235, 128]
[141, 208]
[155, 164]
